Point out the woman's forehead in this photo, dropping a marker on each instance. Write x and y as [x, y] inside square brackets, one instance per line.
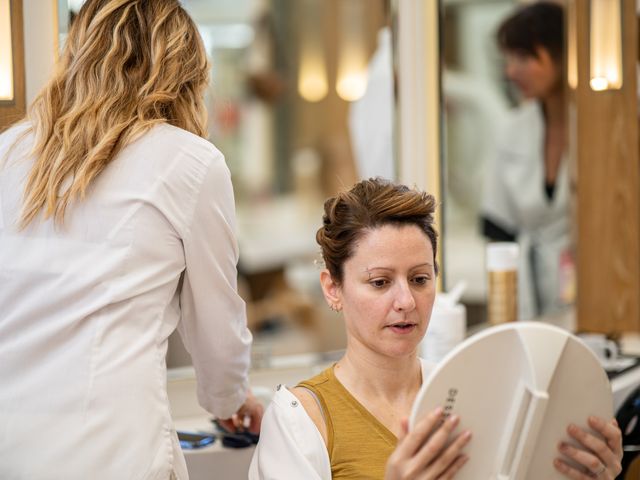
[394, 241]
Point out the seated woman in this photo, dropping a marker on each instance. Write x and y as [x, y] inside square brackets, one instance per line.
[379, 244]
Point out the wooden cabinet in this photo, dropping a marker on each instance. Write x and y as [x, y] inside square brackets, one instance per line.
[12, 110]
[604, 153]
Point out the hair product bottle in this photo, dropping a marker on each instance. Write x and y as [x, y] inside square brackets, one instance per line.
[502, 267]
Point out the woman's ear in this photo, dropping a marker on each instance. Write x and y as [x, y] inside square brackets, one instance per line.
[544, 57]
[331, 290]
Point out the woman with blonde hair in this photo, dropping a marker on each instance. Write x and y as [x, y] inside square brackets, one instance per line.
[116, 227]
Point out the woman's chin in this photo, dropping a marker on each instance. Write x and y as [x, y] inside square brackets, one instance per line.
[403, 347]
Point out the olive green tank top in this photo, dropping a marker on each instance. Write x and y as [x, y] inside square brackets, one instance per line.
[358, 444]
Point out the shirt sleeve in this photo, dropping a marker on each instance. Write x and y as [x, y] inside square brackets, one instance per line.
[290, 444]
[213, 326]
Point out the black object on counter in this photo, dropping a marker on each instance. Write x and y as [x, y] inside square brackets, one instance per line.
[233, 440]
[237, 439]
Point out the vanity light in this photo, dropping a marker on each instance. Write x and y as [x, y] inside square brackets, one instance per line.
[313, 83]
[351, 79]
[6, 52]
[605, 45]
[572, 45]
[312, 77]
[352, 83]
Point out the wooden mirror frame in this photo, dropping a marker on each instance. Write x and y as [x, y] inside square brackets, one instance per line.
[13, 110]
[604, 138]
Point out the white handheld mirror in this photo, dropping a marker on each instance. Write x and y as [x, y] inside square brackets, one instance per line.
[517, 387]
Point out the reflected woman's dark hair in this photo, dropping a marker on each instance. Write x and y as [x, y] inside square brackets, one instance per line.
[540, 24]
[370, 204]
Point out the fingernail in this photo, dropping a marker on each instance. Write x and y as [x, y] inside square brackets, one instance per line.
[438, 411]
[467, 435]
[454, 419]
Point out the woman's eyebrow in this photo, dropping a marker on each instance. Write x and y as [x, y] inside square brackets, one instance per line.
[425, 264]
[390, 269]
[368, 269]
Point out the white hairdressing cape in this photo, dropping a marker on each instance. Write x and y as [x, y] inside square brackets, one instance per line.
[371, 117]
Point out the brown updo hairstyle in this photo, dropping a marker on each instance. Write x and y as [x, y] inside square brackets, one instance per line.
[370, 204]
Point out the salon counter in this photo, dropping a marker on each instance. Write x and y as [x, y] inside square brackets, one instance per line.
[216, 461]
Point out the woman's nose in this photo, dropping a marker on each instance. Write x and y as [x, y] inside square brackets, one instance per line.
[404, 301]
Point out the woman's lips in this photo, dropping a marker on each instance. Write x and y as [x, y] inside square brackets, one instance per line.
[402, 328]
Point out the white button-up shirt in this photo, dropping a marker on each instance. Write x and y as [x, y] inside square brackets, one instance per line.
[86, 310]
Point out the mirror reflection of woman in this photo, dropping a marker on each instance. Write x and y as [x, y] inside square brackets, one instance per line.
[526, 194]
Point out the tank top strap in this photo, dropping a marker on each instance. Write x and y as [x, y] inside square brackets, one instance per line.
[357, 443]
[315, 386]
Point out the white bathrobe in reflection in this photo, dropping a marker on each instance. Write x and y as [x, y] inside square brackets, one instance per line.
[371, 117]
[515, 198]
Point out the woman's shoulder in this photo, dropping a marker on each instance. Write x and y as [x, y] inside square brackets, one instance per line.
[289, 441]
[14, 133]
[309, 394]
[16, 129]
[180, 157]
[286, 411]
[175, 139]
[302, 403]
[168, 130]
[311, 404]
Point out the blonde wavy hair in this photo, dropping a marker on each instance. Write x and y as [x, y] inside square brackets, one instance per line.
[127, 65]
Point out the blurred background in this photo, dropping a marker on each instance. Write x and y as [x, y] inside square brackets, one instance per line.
[303, 102]
[284, 76]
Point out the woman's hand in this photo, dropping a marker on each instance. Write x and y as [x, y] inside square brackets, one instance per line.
[423, 454]
[248, 416]
[600, 457]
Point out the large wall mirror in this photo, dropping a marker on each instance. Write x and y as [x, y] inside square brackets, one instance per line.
[286, 77]
[303, 102]
[497, 164]
[477, 100]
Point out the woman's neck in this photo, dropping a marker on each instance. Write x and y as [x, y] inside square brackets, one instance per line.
[554, 107]
[364, 372]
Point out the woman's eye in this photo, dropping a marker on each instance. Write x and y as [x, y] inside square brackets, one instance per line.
[378, 283]
[421, 280]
